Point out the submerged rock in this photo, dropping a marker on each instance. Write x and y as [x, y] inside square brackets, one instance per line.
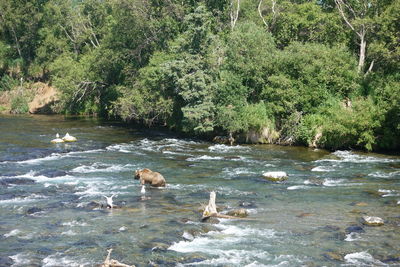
[6, 261]
[16, 181]
[246, 204]
[238, 213]
[359, 204]
[211, 220]
[276, 176]
[33, 210]
[354, 229]
[330, 228]
[51, 173]
[333, 256]
[305, 214]
[187, 236]
[372, 221]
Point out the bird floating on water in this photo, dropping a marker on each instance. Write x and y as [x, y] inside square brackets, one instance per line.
[109, 201]
[57, 139]
[69, 138]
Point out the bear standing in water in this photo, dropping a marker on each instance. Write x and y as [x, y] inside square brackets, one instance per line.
[147, 176]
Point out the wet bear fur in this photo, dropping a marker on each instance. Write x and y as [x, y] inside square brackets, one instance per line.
[147, 176]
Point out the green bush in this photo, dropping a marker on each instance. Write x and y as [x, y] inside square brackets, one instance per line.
[351, 127]
[19, 105]
[8, 83]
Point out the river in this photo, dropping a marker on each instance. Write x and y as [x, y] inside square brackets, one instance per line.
[50, 197]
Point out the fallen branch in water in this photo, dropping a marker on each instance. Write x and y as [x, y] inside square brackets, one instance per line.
[113, 263]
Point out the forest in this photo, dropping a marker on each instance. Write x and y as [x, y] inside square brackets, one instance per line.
[319, 73]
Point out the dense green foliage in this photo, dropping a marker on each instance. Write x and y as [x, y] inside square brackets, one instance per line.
[297, 68]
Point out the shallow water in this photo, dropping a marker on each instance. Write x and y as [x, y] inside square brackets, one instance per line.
[50, 196]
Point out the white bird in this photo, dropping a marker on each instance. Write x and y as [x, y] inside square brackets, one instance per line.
[69, 138]
[143, 191]
[57, 139]
[109, 201]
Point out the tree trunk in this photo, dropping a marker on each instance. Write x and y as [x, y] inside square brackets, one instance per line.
[363, 45]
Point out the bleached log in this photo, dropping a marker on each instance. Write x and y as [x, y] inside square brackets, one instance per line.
[211, 208]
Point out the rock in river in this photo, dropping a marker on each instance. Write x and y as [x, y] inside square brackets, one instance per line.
[372, 221]
[276, 176]
[238, 213]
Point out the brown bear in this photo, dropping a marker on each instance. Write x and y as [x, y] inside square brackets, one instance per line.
[147, 176]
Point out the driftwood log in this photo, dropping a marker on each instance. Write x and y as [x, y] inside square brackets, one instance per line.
[113, 263]
[211, 210]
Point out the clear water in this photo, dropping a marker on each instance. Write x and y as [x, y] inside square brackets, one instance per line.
[49, 215]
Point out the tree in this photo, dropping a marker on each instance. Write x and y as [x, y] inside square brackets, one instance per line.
[360, 16]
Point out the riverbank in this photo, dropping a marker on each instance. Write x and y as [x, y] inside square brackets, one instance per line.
[34, 98]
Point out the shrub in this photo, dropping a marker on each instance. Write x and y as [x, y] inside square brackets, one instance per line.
[353, 127]
[19, 104]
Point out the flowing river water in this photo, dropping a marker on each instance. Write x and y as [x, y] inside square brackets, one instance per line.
[51, 197]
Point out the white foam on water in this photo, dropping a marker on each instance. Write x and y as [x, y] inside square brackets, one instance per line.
[21, 200]
[380, 174]
[91, 191]
[238, 171]
[221, 244]
[204, 157]
[362, 259]
[123, 148]
[14, 232]
[21, 259]
[323, 169]
[101, 167]
[167, 144]
[349, 156]
[311, 182]
[56, 156]
[58, 260]
[174, 153]
[41, 178]
[225, 148]
[389, 193]
[330, 182]
[269, 165]
[53, 156]
[239, 231]
[69, 233]
[235, 257]
[255, 264]
[72, 183]
[353, 237]
[296, 187]
[74, 223]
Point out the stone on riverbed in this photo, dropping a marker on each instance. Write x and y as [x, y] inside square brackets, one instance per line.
[238, 213]
[372, 221]
[276, 176]
[333, 256]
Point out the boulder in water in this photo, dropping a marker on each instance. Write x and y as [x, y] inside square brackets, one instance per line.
[246, 204]
[354, 229]
[333, 256]
[372, 221]
[238, 213]
[276, 176]
[16, 181]
[33, 210]
[6, 261]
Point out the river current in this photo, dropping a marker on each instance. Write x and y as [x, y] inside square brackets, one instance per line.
[51, 198]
